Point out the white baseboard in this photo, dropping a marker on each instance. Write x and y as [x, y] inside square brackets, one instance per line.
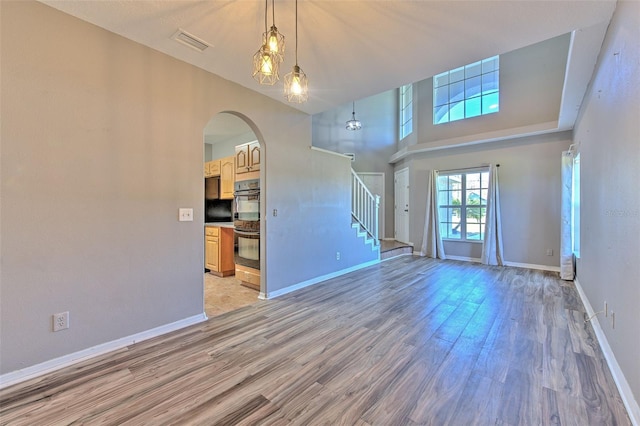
[303, 284]
[533, 266]
[27, 373]
[512, 264]
[397, 256]
[463, 258]
[633, 409]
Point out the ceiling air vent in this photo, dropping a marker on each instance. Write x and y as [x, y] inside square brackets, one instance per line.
[190, 40]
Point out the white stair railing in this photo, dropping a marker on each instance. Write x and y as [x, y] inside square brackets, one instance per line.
[364, 206]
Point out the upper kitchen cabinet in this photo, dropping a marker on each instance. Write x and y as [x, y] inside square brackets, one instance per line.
[227, 178]
[212, 168]
[248, 161]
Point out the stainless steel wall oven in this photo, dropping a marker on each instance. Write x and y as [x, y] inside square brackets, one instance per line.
[247, 223]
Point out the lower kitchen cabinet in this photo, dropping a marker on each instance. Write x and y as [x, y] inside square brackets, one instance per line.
[218, 251]
[250, 277]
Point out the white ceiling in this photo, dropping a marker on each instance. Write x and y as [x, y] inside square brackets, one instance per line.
[349, 49]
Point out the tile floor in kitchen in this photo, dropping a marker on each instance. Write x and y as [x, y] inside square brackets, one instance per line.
[226, 294]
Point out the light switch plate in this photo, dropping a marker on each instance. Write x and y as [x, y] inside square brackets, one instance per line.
[185, 215]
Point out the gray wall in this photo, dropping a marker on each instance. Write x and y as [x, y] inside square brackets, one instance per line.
[529, 177]
[531, 82]
[102, 142]
[608, 134]
[372, 145]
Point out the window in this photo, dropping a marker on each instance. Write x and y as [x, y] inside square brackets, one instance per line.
[467, 91]
[406, 110]
[462, 200]
[575, 207]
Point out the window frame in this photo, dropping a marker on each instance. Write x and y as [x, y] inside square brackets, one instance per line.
[405, 111]
[463, 206]
[475, 96]
[575, 206]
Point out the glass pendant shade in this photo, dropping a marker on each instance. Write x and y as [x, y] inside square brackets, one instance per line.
[354, 124]
[296, 86]
[266, 66]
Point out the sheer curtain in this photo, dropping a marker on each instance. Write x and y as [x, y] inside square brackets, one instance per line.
[566, 249]
[432, 241]
[492, 245]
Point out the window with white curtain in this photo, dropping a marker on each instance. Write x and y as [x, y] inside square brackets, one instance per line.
[406, 110]
[462, 200]
[575, 206]
[467, 91]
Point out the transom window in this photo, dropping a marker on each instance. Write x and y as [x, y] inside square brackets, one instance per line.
[462, 200]
[406, 110]
[467, 91]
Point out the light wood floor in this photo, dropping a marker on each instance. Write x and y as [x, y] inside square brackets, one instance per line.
[411, 341]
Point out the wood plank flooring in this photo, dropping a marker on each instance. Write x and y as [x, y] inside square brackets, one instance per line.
[411, 341]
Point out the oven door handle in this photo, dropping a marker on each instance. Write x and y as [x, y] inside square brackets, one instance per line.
[246, 193]
[248, 234]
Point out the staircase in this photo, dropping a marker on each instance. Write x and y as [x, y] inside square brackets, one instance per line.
[364, 211]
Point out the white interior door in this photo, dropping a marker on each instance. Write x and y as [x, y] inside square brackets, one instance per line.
[375, 184]
[401, 194]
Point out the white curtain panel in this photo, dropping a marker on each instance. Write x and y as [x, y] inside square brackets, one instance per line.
[566, 251]
[432, 241]
[492, 251]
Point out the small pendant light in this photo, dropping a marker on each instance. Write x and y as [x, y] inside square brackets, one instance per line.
[274, 39]
[296, 84]
[266, 61]
[354, 124]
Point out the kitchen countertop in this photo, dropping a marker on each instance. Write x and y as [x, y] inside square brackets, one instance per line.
[220, 224]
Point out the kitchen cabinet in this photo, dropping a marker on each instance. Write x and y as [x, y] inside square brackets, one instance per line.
[212, 168]
[248, 161]
[218, 251]
[227, 177]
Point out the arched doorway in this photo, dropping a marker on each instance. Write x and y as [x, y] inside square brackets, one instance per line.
[232, 276]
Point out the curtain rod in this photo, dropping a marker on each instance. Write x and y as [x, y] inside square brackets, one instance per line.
[573, 147]
[468, 168]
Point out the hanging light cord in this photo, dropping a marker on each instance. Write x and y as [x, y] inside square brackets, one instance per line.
[273, 13]
[266, 13]
[354, 109]
[296, 32]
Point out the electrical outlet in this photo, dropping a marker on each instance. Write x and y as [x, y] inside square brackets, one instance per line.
[337, 255]
[606, 309]
[61, 321]
[185, 215]
[549, 252]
